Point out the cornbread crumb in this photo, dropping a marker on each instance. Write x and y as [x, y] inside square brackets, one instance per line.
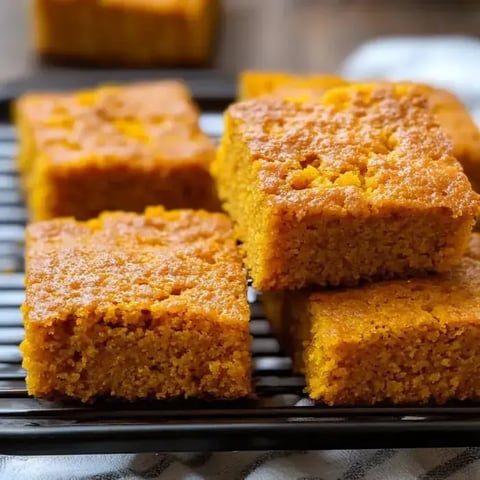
[359, 185]
[114, 148]
[403, 341]
[136, 306]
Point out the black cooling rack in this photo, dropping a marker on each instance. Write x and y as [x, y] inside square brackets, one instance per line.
[280, 418]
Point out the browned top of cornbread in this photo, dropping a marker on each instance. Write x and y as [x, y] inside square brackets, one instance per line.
[359, 313]
[361, 149]
[163, 261]
[449, 111]
[144, 121]
[457, 122]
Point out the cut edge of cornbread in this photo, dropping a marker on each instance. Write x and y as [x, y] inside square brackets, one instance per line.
[146, 360]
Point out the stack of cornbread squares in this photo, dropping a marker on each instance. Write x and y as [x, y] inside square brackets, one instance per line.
[334, 188]
[354, 217]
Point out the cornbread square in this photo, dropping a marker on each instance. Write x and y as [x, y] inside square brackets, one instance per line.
[359, 185]
[127, 32]
[254, 84]
[136, 306]
[113, 148]
[401, 341]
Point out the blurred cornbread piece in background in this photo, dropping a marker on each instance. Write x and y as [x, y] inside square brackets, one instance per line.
[136, 306]
[361, 184]
[449, 111]
[255, 84]
[113, 148]
[127, 32]
[401, 341]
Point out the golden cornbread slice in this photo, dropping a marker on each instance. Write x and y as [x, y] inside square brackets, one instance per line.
[359, 185]
[255, 84]
[448, 110]
[400, 341]
[127, 32]
[136, 306]
[113, 148]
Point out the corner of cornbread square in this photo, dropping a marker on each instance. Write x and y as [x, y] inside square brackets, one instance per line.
[400, 341]
[457, 122]
[254, 84]
[126, 32]
[113, 148]
[136, 306]
[361, 184]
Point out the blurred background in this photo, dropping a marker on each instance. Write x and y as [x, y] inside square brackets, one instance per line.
[296, 35]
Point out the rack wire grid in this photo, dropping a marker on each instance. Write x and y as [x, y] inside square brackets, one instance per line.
[281, 417]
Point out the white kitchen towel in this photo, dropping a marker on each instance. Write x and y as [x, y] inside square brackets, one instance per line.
[384, 464]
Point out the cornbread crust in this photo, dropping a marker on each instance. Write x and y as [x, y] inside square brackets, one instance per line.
[404, 341]
[254, 84]
[127, 32]
[448, 110]
[359, 185]
[455, 119]
[114, 148]
[136, 306]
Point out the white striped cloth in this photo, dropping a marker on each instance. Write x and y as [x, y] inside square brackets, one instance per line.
[385, 464]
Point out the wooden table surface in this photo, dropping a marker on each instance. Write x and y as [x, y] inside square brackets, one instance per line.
[301, 35]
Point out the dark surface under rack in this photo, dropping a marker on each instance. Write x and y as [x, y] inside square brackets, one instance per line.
[280, 418]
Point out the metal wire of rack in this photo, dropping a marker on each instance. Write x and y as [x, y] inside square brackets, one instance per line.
[281, 417]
